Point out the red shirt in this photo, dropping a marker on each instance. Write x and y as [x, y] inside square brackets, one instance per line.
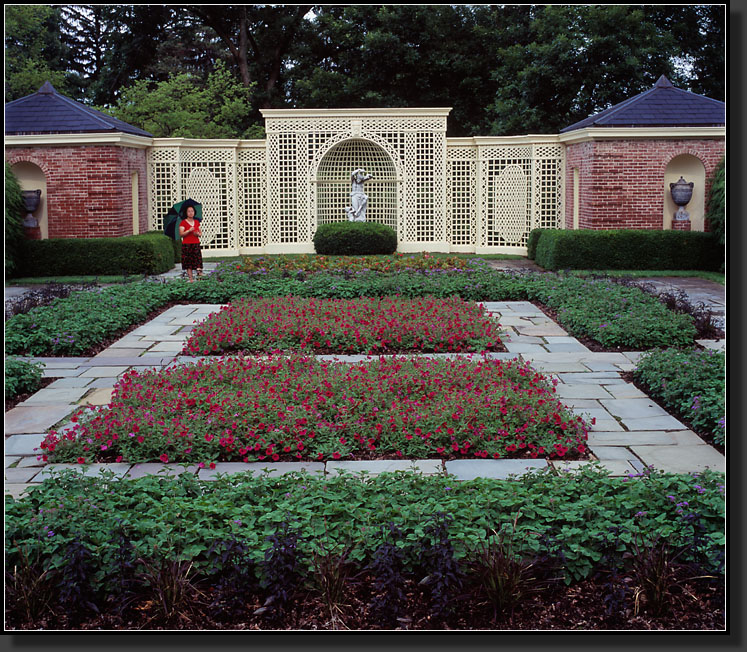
[190, 238]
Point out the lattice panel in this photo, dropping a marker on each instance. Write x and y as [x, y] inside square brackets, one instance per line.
[334, 183]
[251, 183]
[163, 192]
[461, 202]
[283, 188]
[211, 184]
[506, 202]
[548, 204]
[458, 153]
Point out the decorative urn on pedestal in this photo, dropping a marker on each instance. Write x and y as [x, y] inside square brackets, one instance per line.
[682, 193]
[31, 201]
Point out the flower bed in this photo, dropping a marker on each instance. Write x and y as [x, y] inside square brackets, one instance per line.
[691, 383]
[365, 325]
[395, 263]
[298, 408]
[159, 551]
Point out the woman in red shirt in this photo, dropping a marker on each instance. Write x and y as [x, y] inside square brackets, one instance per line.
[189, 231]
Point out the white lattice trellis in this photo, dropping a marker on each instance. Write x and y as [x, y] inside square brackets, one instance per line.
[439, 194]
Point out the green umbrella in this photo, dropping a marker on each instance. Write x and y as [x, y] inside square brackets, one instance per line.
[176, 214]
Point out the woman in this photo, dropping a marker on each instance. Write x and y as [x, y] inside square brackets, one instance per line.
[189, 231]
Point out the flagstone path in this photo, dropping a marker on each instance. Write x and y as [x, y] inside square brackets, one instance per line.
[631, 431]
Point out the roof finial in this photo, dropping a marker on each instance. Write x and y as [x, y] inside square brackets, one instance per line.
[664, 83]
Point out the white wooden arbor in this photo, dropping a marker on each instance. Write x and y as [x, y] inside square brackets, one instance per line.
[481, 194]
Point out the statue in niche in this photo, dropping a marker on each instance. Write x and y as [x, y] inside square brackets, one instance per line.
[356, 212]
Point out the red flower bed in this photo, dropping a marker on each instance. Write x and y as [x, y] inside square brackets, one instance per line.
[298, 408]
[366, 325]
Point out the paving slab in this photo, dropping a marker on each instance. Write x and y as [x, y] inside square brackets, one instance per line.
[497, 469]
[566, 348]
[20, 476]
[681, 459]
[17, 490]
[56, 396]
[12, 459]
[582, 390]
[29, 461]
[616, 468]
[374, 467]
[89, 470]
[119, 352]
[542, 330]
[654, 423]
[156, 468]
[625, 390]
[272, 469]
[633, 408]
[628, 438]
[101, 396]
[76, 381]
[35, 419]
[104, 372]
[606, 453]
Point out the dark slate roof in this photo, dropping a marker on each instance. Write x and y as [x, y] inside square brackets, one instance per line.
[661, 106]
[48, 112]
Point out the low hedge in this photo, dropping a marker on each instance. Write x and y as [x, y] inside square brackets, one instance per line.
[628, 249]
[148, 253]
[355, 239]
[532, 240]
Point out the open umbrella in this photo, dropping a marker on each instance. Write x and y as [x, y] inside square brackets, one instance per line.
[177, 213]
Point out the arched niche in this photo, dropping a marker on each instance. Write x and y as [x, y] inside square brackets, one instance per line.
[31, 177]
[333, 182]
[692, 169]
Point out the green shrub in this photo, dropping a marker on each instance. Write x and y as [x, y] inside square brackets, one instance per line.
[21, 377]
[716, 211]
[628, 249]
[355, 239]
[534, 238]
[148, 253]
[692, 383]
[13, 221]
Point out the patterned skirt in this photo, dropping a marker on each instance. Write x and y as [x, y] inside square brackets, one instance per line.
[191, 256]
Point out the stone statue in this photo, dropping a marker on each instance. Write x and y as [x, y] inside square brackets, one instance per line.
[359, 200]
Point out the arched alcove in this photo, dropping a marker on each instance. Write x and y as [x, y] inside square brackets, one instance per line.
[333, 182]
[31, 177]
[692, 169]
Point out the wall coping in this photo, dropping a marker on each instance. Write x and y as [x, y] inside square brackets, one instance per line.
[639, 133]
[355, 113]
[62, 140]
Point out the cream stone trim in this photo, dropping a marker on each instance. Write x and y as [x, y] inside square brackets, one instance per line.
[482, 141]
[651, 133]
[355, 113]
[64, 140]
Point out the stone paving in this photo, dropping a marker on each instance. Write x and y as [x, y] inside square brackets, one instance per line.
[630, 432]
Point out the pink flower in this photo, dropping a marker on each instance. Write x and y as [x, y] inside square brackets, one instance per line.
[164, 458]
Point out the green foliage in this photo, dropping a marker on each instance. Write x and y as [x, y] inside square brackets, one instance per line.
[184, 106]
[607, 312]
[14, 212]
[148, 253]
[34, 51]
[716, 211]
[532, 240]
[690, 382]
[182, 517]
[21, 377]
[355, 239]
[627, 249]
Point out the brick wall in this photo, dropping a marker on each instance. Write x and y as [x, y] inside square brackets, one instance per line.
[621, 182]
[89, 188]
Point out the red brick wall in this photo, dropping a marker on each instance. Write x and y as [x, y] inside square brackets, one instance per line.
[89, 188]
[621, 181]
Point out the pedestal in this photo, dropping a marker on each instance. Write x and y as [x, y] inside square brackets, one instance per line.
[680, 225]
[32, 232]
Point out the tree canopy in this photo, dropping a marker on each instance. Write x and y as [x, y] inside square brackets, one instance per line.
[207, 70]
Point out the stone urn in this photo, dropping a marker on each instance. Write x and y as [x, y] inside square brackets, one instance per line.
[31, 200]
[682, 193]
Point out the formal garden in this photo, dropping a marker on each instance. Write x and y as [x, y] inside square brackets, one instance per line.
[402, 550]
[470, 409]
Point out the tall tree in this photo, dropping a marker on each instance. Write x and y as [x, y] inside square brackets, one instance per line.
[259, 39]
[34, 51]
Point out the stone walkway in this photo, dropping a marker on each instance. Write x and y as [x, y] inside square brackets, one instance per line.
[630, 433]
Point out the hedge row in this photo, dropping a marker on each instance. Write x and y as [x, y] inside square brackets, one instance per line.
[355, 239]
[148, 253]
[556, 249]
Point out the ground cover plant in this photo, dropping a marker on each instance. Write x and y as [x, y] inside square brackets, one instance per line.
[692, 383]
[294, 407]
[369, 325]
[21, 377]
[608, 313]
[255, 552]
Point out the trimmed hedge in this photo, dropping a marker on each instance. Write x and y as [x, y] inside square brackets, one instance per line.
[148, 253]
[628, 249]
[355, 239]
[13, 221]
[534, 237]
